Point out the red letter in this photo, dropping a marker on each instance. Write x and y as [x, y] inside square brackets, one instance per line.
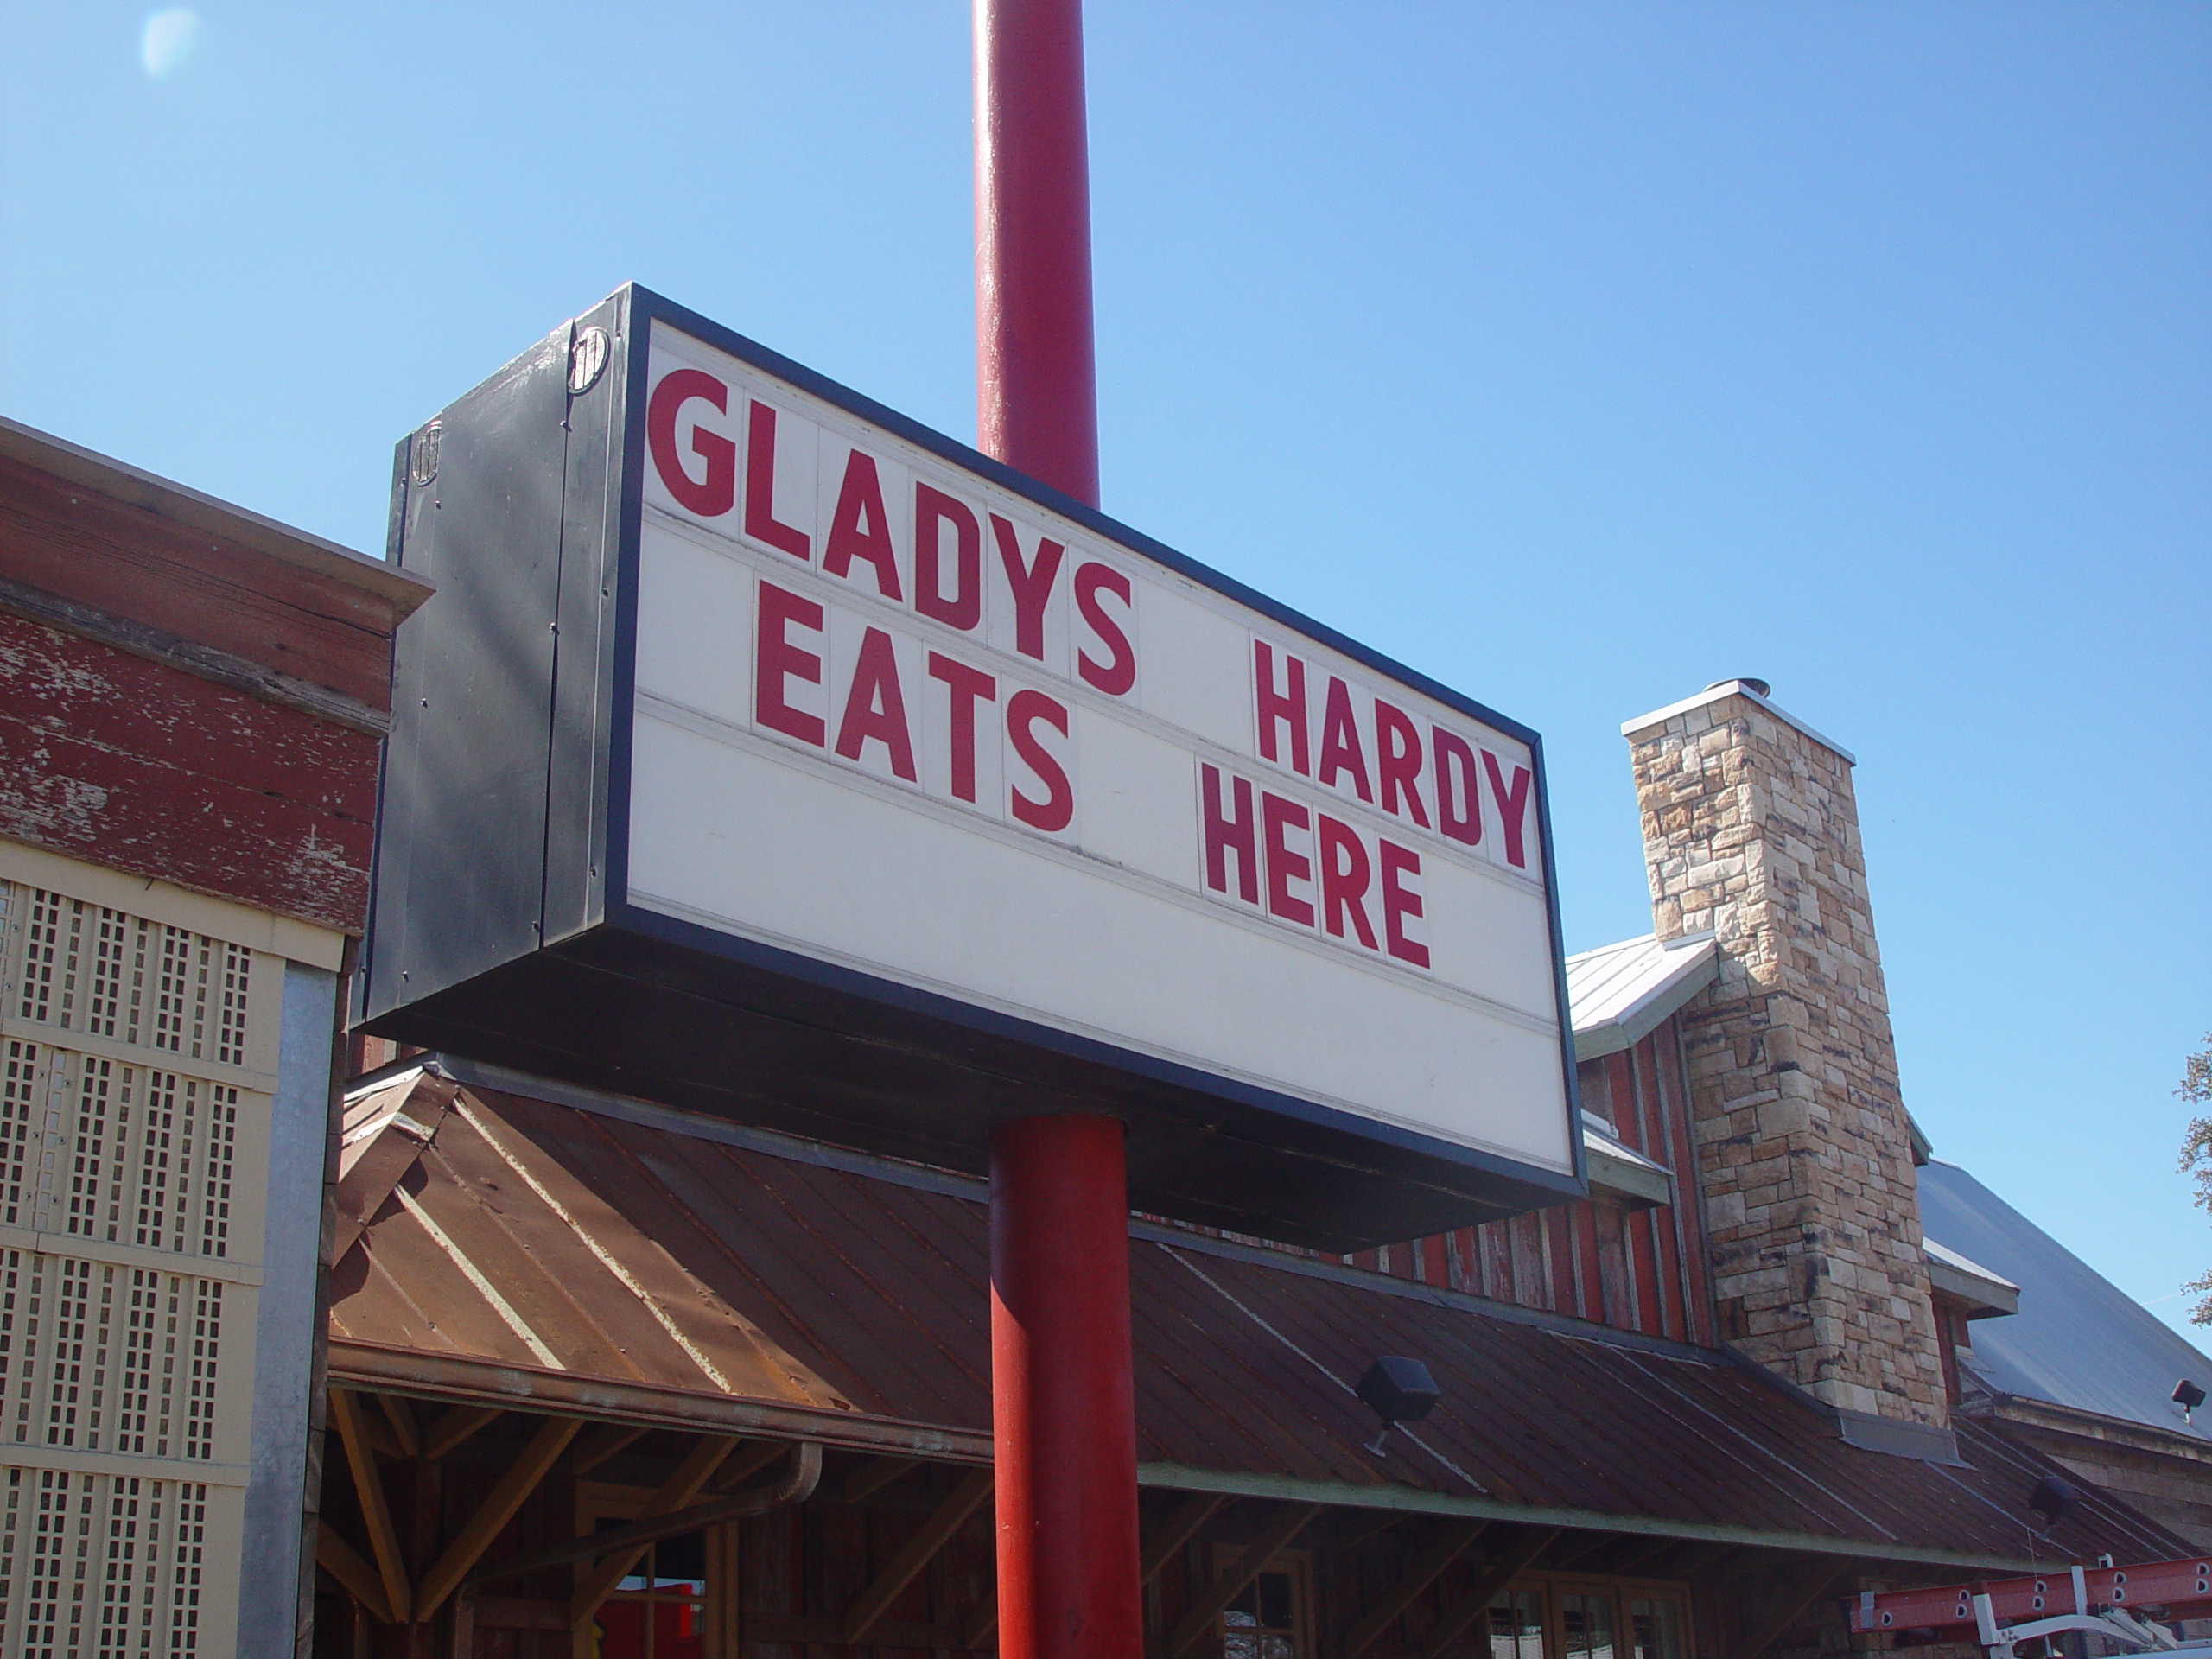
[775, 658]
[1031, 585]
[859, 529]
[1117, 677]
[1512, 807]
[1340, 749]
[709, 497]
[1398, 904]
[1399, 760]
[1058, 807]
[965, 608]
[1224, 835]
[760, 485]
[968, 686]
[1284, 866]
[1344, 884]
[875, 706]
[1453, 755]
[1287, 707]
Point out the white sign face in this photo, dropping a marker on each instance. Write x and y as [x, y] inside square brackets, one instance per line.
[892, 715]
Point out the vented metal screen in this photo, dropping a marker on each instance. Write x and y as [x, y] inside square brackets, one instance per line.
[138, 1057]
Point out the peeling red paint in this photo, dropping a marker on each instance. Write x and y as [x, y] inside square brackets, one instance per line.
[107, 756]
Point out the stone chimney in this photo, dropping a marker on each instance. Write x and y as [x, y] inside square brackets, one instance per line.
[1750, 831]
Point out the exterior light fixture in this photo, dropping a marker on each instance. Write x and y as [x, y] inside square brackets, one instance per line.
[2189, 1397]
[1397, 1390]
[2052, 1498]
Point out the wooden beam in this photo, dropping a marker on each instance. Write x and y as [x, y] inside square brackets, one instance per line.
[748, 1460]
[675, 1493]
[973, 1491]
[1497, 1573]
[1814, 1585]
[514, 1487]
[1452, 1542]
[455, 1426]
[1578, 1555]
[874, 1475]
[345, 1563]
[1640, 1552]
[1739, 1567]
[603, 1443]
[402, 1418]
[983, 1621]
[383, 1541]
[1362, 1527]
[633, 1538]
[1210, 1605]
[1181, 1525]
[382, 1440]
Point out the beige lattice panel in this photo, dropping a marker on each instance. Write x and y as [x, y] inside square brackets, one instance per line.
[137, 1058]
[115, 1565]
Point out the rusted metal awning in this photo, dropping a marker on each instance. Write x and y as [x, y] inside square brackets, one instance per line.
[618, 1260]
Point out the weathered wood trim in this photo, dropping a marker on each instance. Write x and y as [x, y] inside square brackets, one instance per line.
[873, 1476]
[455, 1426]
[1496, 1575]
[1411, 1500]
[973, 1491]
[174, 651]
[1209, 1604]
[1455, 1539]
[345, 1564]
[603, 1443]
[515, 1486]
[675, 1494]
[461, 1380]
[1814, 1585]
[368, 1489]
[103, 475]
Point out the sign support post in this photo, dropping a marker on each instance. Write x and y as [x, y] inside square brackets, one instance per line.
[1063, 1398]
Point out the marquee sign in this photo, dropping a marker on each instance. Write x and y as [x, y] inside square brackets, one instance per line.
[766, 754]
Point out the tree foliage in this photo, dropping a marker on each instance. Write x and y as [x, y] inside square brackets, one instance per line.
[2196, 1157]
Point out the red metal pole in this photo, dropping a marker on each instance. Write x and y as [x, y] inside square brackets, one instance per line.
[1036, 384]
[1063, 1407]
[1063, 1404]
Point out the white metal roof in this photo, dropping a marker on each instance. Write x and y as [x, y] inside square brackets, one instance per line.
[1615, 1166]
[2078, 1341]
[1984, 1292]
[1619, 993]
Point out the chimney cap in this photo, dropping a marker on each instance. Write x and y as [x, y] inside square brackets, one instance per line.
[1759, 686]
[1755, 689]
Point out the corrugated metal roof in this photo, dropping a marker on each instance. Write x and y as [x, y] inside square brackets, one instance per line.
[2077, 1341]
[1618, 994]
[540, 1245]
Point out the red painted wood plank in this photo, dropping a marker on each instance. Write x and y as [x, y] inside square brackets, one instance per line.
[136, 564]
[78, 688]
[1690, 1215]
[109, 757]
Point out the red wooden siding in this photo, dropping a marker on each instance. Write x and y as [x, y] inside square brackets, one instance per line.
[1631, 1269]
[66, 539]
[108, 757]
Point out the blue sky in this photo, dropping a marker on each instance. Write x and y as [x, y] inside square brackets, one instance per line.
[1578, 354]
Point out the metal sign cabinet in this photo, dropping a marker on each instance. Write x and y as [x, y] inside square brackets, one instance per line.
[771, 755]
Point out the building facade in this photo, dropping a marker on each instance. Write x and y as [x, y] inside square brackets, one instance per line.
[582, 1340]
[192, 700]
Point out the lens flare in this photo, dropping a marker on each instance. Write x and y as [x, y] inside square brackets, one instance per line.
[167, 41]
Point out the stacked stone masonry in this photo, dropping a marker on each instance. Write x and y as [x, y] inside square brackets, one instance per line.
[1751, 831]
